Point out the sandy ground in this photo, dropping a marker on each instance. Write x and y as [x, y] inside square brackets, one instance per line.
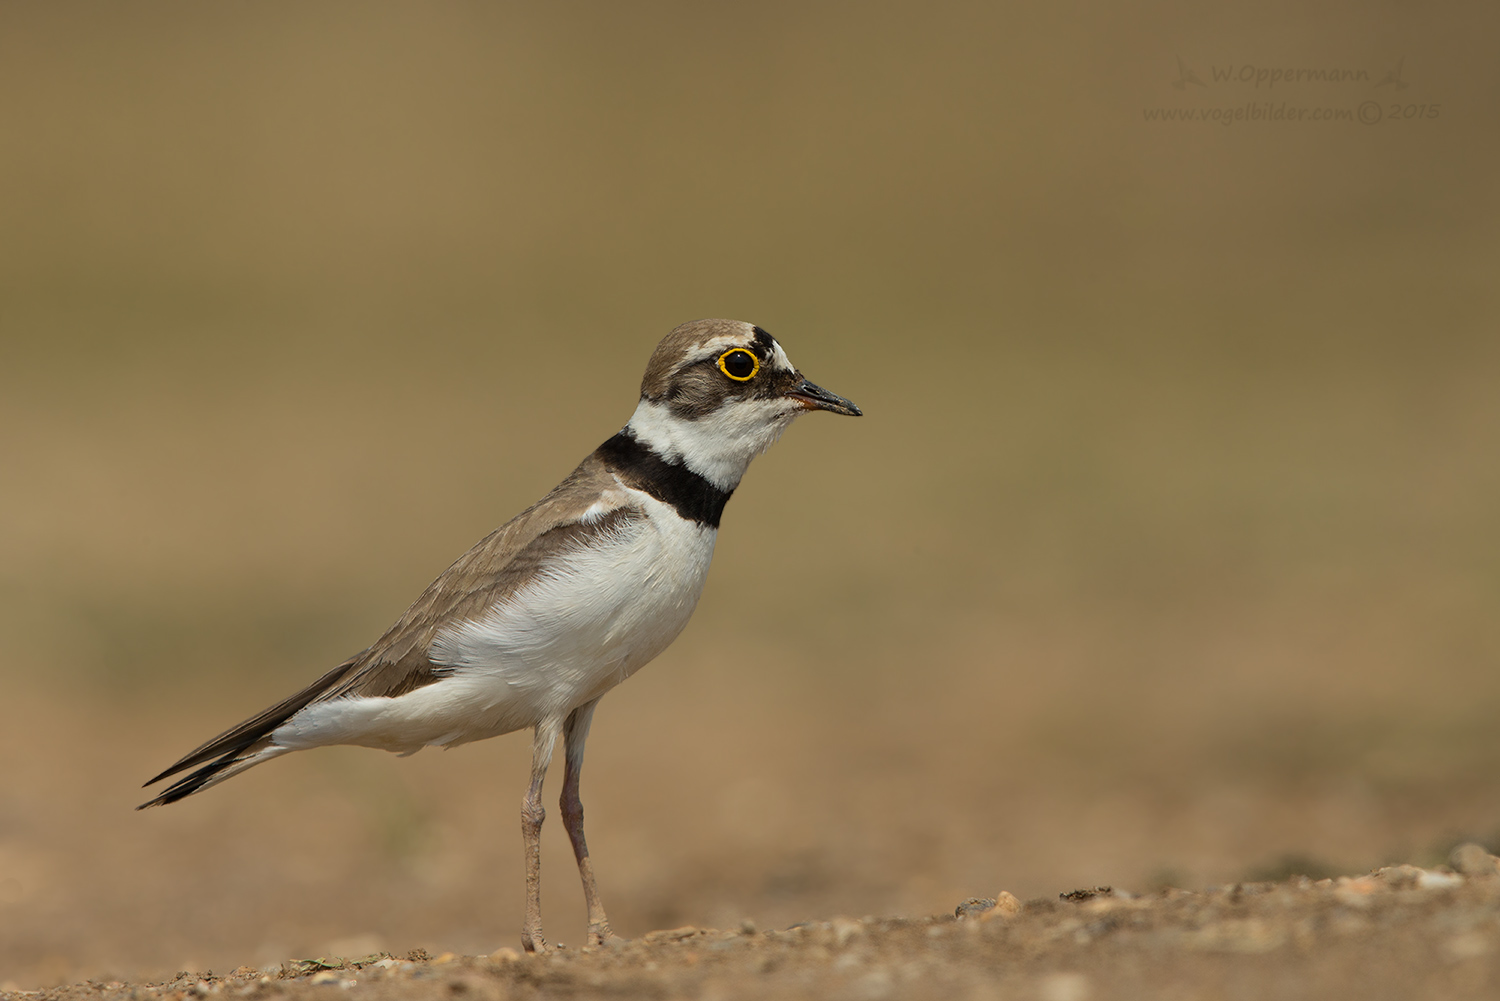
[1400, 932]
[700, 820]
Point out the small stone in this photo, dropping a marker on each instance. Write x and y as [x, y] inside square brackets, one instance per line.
[1434, 879]
[1473, 860]
[844, 929]
[973, 907]
[1356, 890]
[747, 927]
[1078, 896]
[1398, 876]
[1006, 906]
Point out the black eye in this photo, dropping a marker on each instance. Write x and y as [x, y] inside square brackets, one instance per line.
[739, 364]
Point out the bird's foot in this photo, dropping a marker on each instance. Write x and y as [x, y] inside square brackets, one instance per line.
[532, 941]
[599, 933]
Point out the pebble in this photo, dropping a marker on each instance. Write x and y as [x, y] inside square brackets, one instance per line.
[1474, 860]
[1405, 876]
[1436, 879]
[1007, 905]
[1397, 876]
[330, 977]
[844, 929]
[973, 907]
[1355, 890]
[1077, 896]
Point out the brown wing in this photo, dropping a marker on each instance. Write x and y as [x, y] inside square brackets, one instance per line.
[492, 570]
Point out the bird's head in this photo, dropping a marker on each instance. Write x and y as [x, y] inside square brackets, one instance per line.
[717, 393]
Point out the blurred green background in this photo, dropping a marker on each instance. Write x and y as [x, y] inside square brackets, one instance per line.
[1167, 551]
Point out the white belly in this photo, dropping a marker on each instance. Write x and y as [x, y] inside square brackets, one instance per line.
[585, 625]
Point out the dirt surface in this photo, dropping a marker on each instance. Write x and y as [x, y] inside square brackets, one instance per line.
[1401, 931]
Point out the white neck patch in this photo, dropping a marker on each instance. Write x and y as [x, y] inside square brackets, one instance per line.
[718, 446]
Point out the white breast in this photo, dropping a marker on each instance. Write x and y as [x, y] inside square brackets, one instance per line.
[584, 625]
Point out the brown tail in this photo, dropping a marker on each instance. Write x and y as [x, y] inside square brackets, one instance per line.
[236, 749]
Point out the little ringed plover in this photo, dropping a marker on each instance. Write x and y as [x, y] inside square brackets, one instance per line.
[532, 626]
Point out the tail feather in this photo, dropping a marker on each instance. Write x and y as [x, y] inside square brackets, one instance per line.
[242, 746]
[215, 772]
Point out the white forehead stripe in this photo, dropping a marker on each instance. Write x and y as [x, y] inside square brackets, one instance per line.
[724, 342]
[779, 358]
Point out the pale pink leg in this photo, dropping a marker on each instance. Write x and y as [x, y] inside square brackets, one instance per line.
[575, 732]
[532, 815]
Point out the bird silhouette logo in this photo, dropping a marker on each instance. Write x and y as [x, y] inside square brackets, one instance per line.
[1185, 76]
[1394, 77]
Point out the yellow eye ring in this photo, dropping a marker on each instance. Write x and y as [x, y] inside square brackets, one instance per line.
[737, 359]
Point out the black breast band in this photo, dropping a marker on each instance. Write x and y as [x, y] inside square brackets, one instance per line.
[690, 495]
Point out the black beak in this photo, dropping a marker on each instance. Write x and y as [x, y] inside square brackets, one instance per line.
[817, 398]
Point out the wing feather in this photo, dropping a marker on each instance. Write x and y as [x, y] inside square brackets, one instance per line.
[589, 501]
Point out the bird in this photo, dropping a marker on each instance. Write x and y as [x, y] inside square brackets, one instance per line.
[540, 619]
